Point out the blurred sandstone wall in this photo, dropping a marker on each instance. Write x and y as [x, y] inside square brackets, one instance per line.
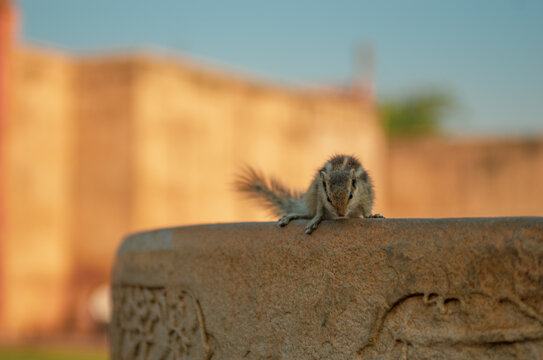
[98, 147]
[193, 129]
[455, 178]
[37, 176]
[95, 147]
[8, 20]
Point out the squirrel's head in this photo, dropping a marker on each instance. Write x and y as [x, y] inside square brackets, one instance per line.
[339, 189]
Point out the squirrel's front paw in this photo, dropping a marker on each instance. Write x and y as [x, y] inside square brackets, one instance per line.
[283, 221]
[311, 227]
[377, 216]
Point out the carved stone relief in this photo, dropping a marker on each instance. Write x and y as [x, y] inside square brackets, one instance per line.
[497, 315]
[158, 323]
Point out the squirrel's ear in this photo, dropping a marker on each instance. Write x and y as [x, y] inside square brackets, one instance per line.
[362, 174]
[324, 176]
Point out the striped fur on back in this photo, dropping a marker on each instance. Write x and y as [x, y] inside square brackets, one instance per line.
[343, 163]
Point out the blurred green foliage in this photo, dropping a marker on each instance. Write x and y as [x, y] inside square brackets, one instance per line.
[421, 114]
[20, 353]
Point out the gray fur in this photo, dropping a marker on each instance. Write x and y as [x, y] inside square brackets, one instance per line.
[328, 196]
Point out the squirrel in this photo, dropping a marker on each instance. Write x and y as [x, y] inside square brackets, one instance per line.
[341, 188]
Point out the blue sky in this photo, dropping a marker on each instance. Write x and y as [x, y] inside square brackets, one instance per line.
[488, 53]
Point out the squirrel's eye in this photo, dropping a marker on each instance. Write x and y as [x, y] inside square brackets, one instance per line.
[351, 195]
[324, 184]
[328, 198]
[354, 183]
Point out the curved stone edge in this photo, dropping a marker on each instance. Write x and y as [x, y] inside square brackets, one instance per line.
[397, 237]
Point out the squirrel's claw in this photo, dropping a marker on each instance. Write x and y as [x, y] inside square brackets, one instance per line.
[311, 227]
[283, 221]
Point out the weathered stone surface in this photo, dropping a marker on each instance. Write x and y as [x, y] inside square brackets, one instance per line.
[355, 289]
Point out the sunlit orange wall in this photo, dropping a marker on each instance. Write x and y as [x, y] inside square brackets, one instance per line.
[38, 241]
[452, 178]
[101, 146]
[194, 129]
[8, 20]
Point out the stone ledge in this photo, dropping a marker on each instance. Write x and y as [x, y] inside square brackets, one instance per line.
[355, 289]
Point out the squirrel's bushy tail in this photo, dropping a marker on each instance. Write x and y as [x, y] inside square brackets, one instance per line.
[276, 196]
